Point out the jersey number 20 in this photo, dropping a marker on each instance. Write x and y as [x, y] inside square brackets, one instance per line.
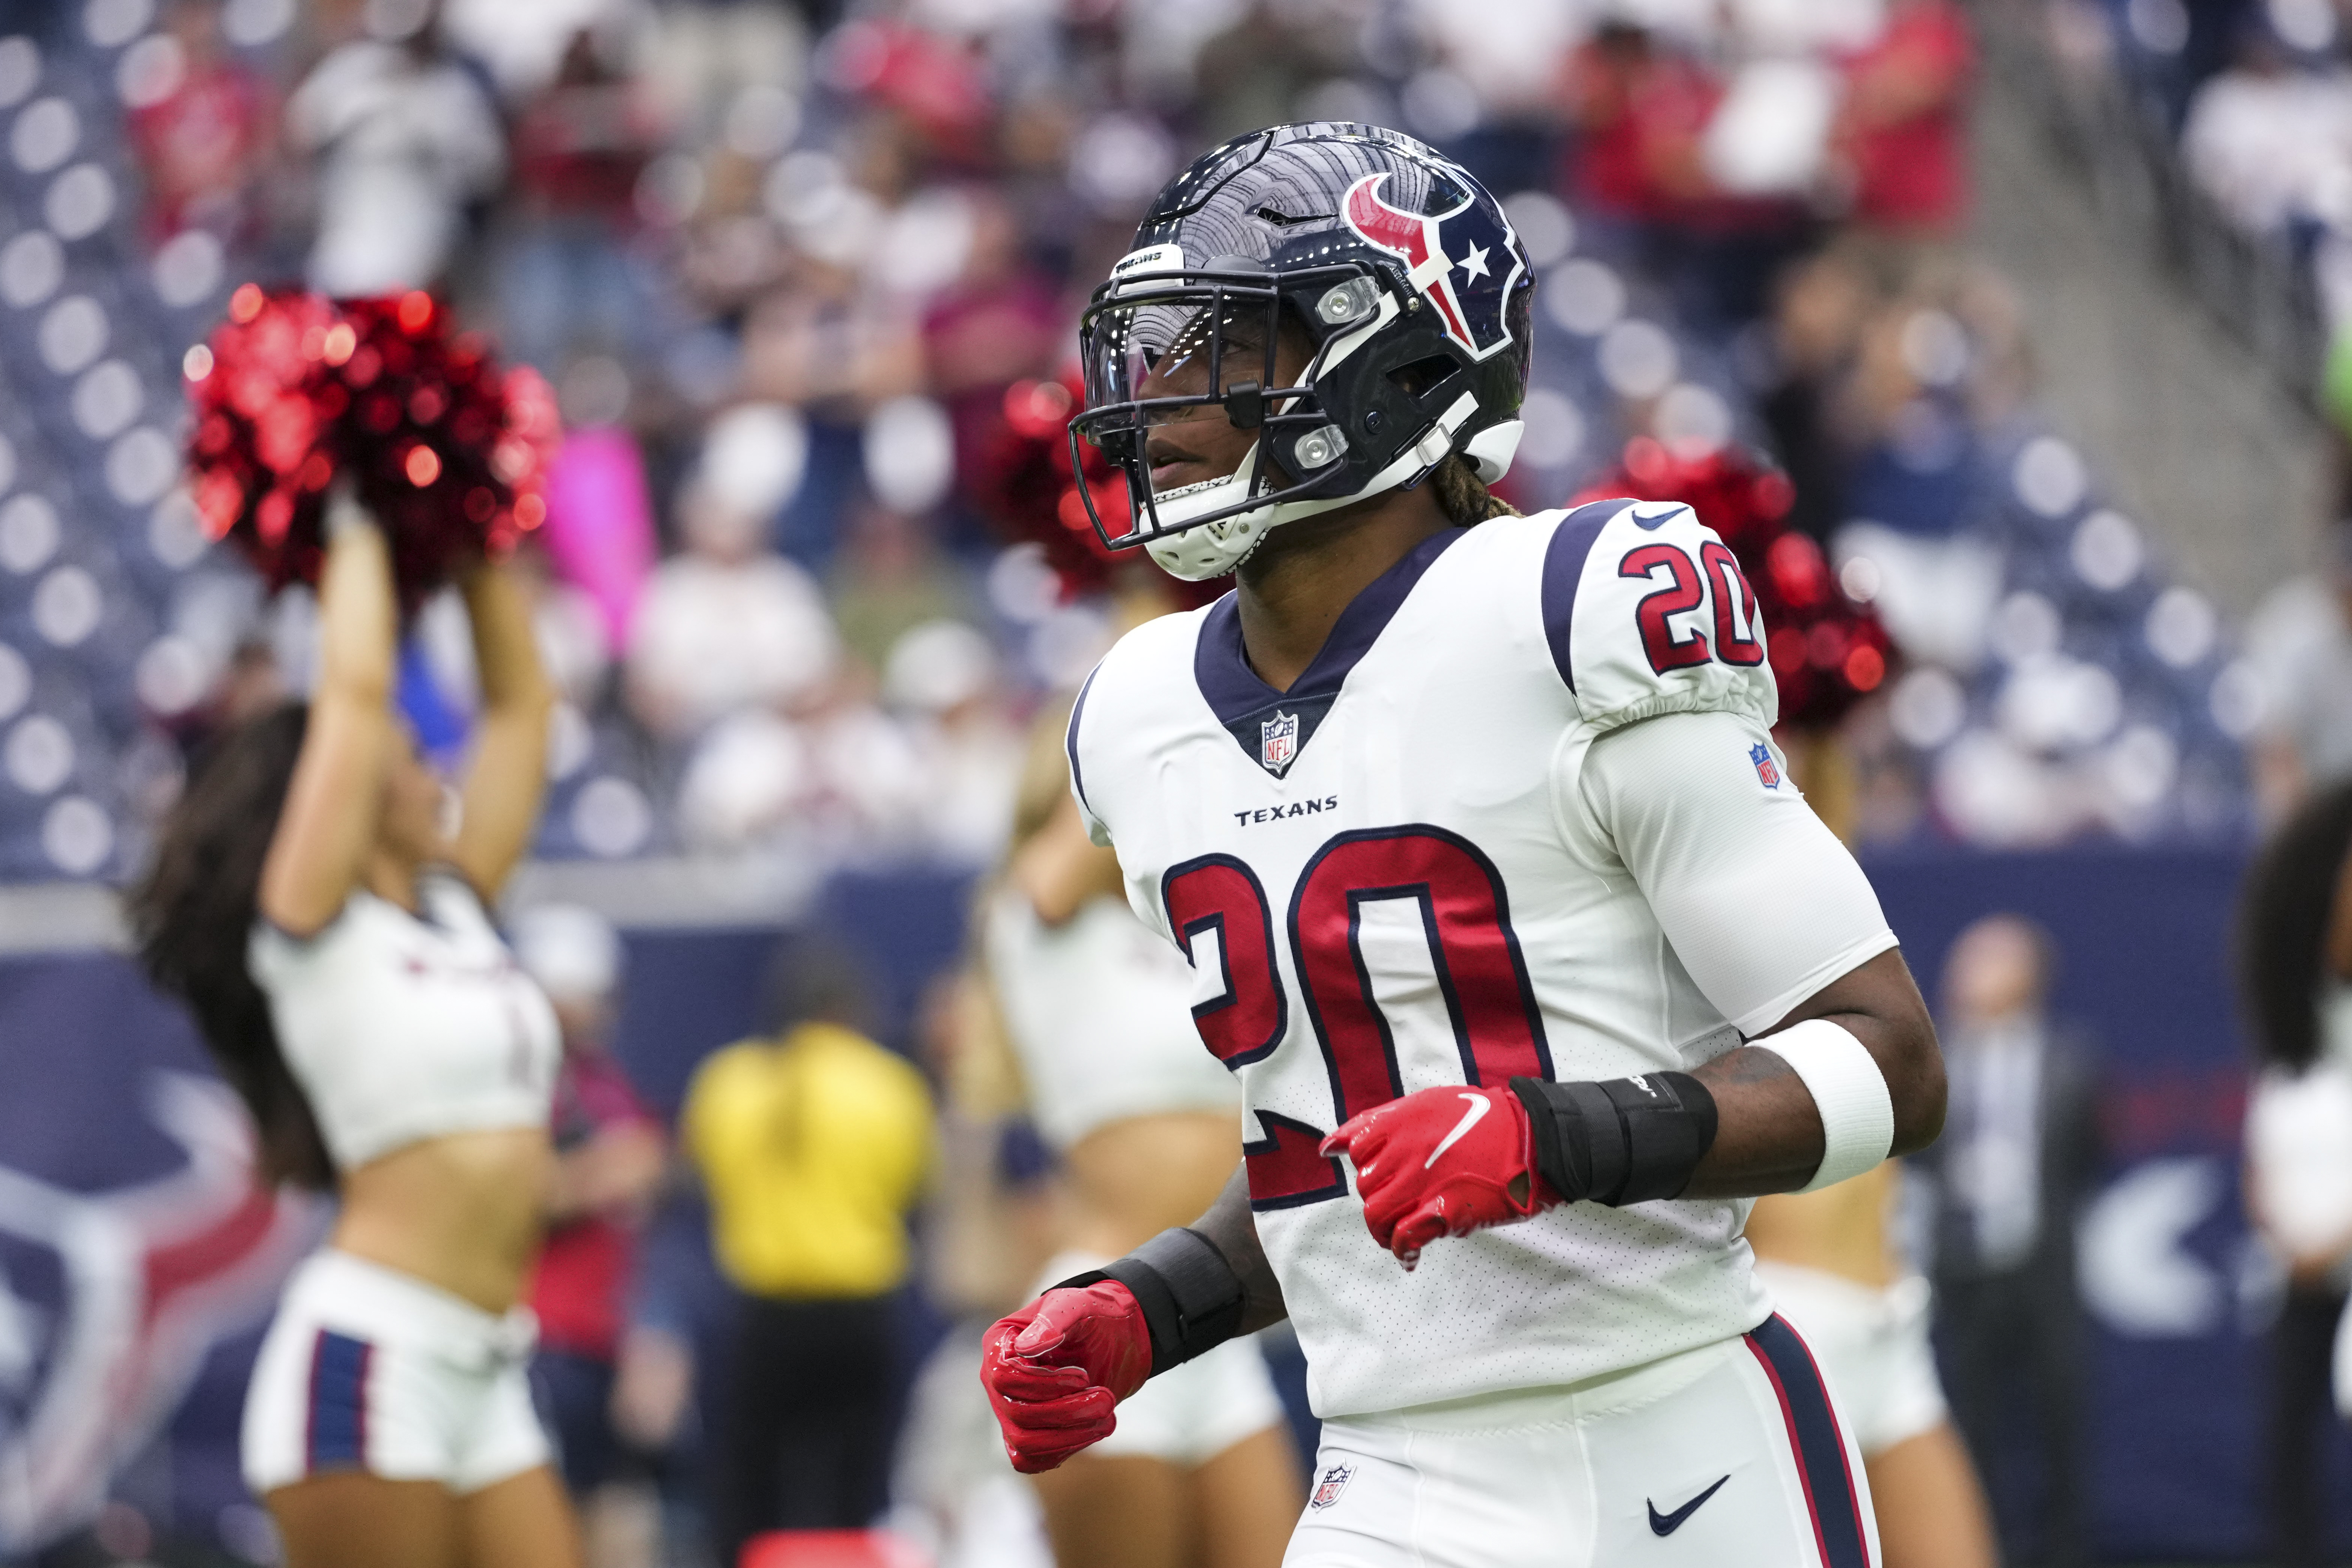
[1480, 973]
[1739, 629]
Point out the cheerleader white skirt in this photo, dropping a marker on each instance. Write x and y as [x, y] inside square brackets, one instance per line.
[366, 1368]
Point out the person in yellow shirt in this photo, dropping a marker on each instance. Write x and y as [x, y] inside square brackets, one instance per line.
[814, 1146]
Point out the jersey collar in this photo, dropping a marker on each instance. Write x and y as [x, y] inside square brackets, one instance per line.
[1273, 727]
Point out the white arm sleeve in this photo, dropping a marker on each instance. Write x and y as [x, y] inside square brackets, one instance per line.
[1763, 905]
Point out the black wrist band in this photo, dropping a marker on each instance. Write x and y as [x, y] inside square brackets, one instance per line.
[1627, 1139]
[1190, 1297]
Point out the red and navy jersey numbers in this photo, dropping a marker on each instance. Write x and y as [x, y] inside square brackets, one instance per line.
[1463, 914]
[1651, 568]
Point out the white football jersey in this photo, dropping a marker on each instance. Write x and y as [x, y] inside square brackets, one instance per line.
[1451, 853]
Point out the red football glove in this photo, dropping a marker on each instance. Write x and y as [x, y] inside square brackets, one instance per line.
[1442, 1161]
[1054, 1369]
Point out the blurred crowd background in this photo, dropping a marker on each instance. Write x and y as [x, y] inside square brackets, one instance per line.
[806, 279]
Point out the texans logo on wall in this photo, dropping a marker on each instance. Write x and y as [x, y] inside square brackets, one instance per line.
[111, 1298]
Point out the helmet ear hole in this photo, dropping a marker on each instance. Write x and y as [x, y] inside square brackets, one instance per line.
[1424, 377]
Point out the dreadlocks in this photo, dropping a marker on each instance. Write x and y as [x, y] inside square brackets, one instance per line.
[1463, 495]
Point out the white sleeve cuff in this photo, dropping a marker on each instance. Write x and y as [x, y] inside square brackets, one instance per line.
[1857, 1112]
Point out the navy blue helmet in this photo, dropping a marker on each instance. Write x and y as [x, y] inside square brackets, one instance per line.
[1389, 265]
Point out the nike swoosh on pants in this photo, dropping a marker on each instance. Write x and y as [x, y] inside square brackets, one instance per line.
[1667, 1523]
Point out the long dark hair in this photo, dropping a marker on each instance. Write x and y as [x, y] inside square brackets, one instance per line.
[1463, 495]
[2283, 915]
[194, 911]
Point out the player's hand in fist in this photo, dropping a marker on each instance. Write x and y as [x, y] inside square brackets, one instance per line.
[1054, 1369]
[1441, 1162]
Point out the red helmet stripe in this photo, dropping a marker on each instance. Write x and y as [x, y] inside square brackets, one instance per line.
[1391, 228]
[1442, 297]
[1408, 234]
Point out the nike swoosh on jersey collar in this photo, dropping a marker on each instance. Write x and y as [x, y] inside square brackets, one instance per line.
[1242, 701]
[1667, 1523]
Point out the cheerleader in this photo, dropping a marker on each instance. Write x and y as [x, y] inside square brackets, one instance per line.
[1201, 1472]
[321, 899]
[2294, 970]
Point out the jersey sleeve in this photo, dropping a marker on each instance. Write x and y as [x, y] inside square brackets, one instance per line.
[1096, 831]
[1763, 905]
[1646, 613]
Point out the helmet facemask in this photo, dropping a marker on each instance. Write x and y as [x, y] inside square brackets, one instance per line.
[1404, 279]
[1157, 344]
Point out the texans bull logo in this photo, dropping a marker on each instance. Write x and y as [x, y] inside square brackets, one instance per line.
[1464, 261]
[111, 1299]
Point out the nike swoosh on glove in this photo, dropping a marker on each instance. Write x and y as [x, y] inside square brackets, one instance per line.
[1054, 1369]
[1442, 1161]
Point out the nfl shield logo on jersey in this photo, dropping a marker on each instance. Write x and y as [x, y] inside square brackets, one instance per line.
[1335, 1481]
[1279, 740]
[1767, 771]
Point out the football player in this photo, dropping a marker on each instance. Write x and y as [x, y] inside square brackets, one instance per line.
[1532, 964]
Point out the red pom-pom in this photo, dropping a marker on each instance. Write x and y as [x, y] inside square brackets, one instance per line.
[1827, 650]
[1014, 457]
[449, 452]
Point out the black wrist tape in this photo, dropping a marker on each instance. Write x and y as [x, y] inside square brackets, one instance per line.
[1190, 1297]
[1627, 1139]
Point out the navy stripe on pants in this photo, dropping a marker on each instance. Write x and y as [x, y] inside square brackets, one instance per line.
[1820, 1446]
[337, 1439]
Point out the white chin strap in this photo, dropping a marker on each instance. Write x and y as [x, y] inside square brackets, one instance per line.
[1213, 550]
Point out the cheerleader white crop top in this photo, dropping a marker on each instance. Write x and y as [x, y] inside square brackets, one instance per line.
[1100, 1012]
[402, 1027]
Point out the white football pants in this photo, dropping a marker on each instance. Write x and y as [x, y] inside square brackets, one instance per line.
[1731, 1454]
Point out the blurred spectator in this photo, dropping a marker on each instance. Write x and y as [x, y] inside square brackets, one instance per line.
[568, 281]
[947, 679]
[2018, 1157]
[814, 1145]
[2295, 977]
[828, 341]
[599, 532]
[1817, 319]
[2300, 644]
[838, 783]
[1902, 129]
[1265, 61]
[728, 624]
[2269, 141]
[891, 577]
[201, 126]
[998, 321]
[403, 138]
[1702, 173]
[610, 1156]
[671, 1359]
[1634, 105]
